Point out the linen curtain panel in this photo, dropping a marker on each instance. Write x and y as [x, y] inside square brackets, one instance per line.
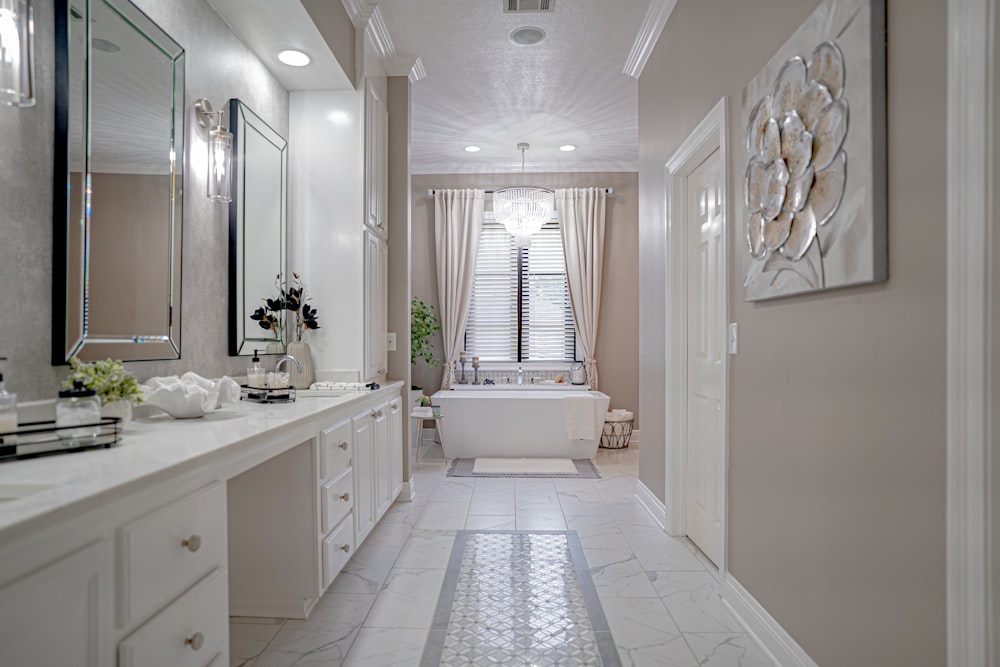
[458, 223]
[581, 221]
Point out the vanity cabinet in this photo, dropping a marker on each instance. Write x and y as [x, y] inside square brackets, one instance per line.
[376, 307]
[364, 475]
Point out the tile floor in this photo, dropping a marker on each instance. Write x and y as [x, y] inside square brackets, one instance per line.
[658, 596]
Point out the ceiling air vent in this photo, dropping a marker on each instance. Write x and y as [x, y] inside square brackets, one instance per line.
[528, 5]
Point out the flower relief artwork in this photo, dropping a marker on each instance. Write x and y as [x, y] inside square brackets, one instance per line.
[814, 183]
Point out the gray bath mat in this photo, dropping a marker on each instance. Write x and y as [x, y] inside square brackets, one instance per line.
[585, 469]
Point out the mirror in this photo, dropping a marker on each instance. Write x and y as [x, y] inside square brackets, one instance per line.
[256, 232]
[117, 184]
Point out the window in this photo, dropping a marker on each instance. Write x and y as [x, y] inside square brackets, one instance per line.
[520, 309]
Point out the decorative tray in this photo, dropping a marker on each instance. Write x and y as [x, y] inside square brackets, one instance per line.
[267, 395]
[33, 439]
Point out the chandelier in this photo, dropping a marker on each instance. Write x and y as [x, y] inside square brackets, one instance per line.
[523, 210]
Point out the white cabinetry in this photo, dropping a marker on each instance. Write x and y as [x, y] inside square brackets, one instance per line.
[60, 614]
[379, 452]
[364, 475]
[376, 306]
[376, 161]
[395, 448]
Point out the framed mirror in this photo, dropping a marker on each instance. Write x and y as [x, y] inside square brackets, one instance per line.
[119, 155]
[257, 245]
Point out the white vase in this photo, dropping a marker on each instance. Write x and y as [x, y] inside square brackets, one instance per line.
[121, 409]
[301, 351]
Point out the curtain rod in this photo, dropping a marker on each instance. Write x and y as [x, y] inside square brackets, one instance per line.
[608, 191]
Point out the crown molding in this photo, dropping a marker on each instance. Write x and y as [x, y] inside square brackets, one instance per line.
[359, 11]
[649, 32]
[418, 72]
[378, 33]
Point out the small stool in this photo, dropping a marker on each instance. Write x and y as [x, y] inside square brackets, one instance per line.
[419, 419]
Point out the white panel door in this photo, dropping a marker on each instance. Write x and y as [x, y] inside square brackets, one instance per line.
[705, 357]
[364, 476]
[376, 306]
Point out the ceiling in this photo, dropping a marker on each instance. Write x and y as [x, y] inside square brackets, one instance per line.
[480, 87]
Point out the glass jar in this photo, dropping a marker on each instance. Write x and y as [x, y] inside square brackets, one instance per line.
[78, 406]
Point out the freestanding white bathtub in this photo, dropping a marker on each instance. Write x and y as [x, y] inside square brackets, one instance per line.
[514, 423]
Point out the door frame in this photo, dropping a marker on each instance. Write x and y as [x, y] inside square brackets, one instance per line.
[973, 607]
[710, 135]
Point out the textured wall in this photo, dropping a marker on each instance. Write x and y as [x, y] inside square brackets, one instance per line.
[218, 67]
[617, 340]
[837, 400]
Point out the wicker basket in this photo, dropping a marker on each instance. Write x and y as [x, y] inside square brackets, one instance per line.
[616, 434]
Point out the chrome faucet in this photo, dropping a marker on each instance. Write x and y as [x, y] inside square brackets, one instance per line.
[287, 357]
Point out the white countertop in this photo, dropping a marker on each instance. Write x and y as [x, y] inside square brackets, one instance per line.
[152, 449]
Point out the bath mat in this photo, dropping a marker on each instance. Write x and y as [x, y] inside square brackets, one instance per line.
[585, 469]
[518, 597]
[524, 467]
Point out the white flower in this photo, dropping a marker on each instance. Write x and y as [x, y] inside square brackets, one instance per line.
[797, 169]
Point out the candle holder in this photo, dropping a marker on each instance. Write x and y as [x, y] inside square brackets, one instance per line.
[461, 379]
[475, 376]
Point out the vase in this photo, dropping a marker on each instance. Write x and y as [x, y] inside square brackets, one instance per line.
[300, 350]
[121, 409]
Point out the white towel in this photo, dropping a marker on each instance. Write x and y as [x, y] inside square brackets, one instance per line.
[423, 412]
[580, 417]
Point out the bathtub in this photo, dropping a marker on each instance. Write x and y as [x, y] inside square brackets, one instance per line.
[513, 423]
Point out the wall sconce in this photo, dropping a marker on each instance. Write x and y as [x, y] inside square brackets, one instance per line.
[17, 62]
[220, 151]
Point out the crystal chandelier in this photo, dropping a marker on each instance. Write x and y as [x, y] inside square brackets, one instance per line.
[523, 210]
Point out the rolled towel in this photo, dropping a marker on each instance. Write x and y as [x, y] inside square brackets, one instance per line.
[618, 416]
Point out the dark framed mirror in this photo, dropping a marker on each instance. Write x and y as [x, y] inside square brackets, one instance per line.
[257, 234]
[118, 181]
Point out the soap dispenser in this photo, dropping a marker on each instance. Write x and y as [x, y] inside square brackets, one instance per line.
[8, 413]
[256, 375]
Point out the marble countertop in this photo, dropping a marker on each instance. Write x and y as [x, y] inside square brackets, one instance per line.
[153, 448]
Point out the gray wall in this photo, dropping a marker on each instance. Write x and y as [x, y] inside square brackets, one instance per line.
[617, 339]
[218, 67]
[837, 400]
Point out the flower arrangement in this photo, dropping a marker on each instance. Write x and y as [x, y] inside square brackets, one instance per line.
[295, 301]
[108, 378]
[423, 323]
[268, 316]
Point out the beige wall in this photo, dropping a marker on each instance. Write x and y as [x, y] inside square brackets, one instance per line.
[617, 342]
[837, 400]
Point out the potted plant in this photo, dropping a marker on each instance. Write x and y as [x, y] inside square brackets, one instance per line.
[116, 387]
[424, 321]
[306, 319]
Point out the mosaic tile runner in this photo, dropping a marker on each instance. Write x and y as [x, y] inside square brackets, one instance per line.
[585, 469]
[519, 598]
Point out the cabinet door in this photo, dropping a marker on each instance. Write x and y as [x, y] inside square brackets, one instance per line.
[364, 477]
[376, 306]
[376, 158]
[60, 614]
[395, 448]
[383, 465]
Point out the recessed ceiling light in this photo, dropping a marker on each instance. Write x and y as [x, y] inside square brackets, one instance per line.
[294, 58]
[527, 35]
[567, 147]
[472, 149]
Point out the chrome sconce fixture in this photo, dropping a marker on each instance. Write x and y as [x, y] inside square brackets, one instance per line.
[17, 62]
[220, 152]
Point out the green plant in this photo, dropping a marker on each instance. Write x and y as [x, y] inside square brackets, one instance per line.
[108, 378]
[424, 322]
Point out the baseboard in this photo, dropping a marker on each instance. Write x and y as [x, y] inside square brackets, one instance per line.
[406, 494]
[767, 632]
[633, 441]
[277, 608]
[651, 503]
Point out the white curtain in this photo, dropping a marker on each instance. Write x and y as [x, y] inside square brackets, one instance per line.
[458, 223]
[581, 221]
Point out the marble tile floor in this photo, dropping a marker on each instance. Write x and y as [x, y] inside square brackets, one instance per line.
[657, 593]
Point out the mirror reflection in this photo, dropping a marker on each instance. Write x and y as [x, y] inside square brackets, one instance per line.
[256, 234]
[118, 132]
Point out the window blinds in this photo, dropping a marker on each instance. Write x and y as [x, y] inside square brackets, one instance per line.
[520, 308]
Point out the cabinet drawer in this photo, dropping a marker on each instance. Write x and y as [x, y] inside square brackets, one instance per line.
[163, 553]
[335, 449]
[337, 550]
[188, 633]
[338, 499]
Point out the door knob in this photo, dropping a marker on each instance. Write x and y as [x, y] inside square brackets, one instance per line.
[345, 497]
[343, 446]
[345, 548]
[192, 543]
[195, 641]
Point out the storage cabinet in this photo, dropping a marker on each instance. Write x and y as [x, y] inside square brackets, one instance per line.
[364, 476]
[376, 306]
[376, 161]
[60, 614]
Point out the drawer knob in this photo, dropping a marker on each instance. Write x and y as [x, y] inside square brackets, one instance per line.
[192, 543]
[343, 446]
[195, 641]
[345, 497]
[346, 548]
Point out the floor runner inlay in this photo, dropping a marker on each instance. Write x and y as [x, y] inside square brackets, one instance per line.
[519, 598]
[462, 467]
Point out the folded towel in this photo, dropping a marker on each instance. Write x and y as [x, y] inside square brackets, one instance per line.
[580, 417]
[423, 412]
